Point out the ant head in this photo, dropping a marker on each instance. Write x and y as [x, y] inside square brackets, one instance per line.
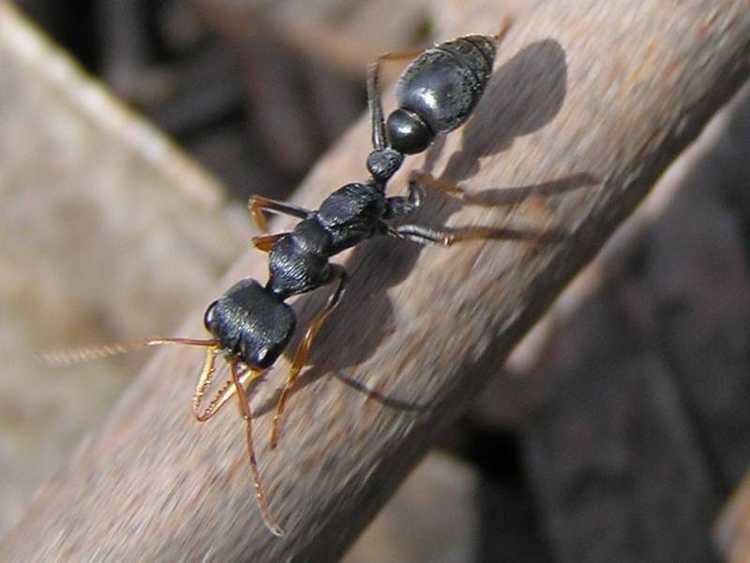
[251, 323]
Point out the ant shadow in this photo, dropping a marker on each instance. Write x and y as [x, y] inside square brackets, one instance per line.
[525, 94]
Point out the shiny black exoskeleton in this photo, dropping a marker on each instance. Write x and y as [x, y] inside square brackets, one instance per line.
[435, 94]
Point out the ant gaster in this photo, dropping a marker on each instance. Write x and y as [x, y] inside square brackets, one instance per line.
[251, 324]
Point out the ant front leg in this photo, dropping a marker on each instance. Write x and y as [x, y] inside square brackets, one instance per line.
[300, 357]
[257, 204]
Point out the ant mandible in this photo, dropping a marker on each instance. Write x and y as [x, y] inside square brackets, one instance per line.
[251, 324]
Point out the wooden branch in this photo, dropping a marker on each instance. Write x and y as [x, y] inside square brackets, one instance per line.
[591, 101]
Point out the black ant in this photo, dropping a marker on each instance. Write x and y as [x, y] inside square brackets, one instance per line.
[251, 324]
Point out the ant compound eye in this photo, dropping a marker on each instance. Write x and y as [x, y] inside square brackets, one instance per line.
[208, 316]
[262, 355]
[265, 357]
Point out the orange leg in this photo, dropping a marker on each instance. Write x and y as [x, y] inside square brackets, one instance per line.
[246, 413]
[257, 204]
[417, 178]
[265, 243]
[404, 55]
[425, 235]
[504, 27]
[448, 188]
[304, 348]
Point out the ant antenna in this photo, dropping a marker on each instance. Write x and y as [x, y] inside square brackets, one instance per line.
[236, 384]
[59, 358]
[71, 356]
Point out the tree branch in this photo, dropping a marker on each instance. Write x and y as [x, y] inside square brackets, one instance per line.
[605, 93]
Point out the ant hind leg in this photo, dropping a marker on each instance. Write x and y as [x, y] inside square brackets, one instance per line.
[300, 357]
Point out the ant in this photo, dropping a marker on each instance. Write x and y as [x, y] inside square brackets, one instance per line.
[251, 324]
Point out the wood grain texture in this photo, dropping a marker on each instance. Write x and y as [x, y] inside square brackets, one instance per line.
[582, 90]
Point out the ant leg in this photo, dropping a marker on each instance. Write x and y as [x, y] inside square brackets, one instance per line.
[502, 197]
[504, 27]
[246, 413]
[449, 188]
[265, 243]
[256, 204]
[425, 235]
[374, 101]
[400, 206]
[304, 348]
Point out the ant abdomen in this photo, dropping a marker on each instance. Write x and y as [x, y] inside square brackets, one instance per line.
[438, 91]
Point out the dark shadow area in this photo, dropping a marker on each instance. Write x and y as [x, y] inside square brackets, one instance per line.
[524, 95]
[377, 396]
[509, 526]
[509, 196]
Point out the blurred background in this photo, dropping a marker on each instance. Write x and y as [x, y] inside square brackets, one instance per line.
[617, 431]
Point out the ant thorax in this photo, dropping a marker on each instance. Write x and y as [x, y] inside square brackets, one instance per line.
[352, 214]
